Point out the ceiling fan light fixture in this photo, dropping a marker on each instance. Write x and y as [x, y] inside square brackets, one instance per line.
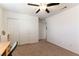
[43, 6]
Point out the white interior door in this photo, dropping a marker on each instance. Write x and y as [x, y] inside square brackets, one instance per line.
[28, 31]
[13, 29]
[24, 31]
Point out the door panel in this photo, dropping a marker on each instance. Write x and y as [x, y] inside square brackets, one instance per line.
[14, 30]
[27, 31]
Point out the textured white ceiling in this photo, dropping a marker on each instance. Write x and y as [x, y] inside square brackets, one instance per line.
[26, 9]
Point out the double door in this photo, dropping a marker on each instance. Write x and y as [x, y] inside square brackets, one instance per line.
[18, 30]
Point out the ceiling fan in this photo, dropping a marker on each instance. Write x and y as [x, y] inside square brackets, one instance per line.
[43, 5]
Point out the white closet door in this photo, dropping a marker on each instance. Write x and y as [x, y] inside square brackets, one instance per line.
[27, 29]
[23, 30]
[13, 29]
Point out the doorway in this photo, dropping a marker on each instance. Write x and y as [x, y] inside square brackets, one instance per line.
[42, 29]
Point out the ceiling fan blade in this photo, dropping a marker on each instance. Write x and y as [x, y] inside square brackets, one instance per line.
[32, 4]
[47, 10]
[52, 4]
[37, 10]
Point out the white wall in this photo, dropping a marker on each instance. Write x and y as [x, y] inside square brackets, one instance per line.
[1, 19]
[22, 27]
[63, 29]
[42, 29]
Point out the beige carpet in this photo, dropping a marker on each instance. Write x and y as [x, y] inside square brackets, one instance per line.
[42, 48]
